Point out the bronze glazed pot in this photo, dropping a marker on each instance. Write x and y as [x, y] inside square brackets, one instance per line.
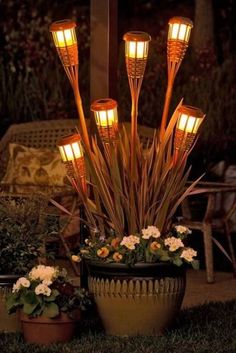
[143, 299]
[43, 330]
[8, 323]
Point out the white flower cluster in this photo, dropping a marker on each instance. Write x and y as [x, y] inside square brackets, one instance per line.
[21, 282]
[182, 229]
[173, 243]
[150, 231]
[188, 254]
[42, 288]
[44, 273]
[130, 241]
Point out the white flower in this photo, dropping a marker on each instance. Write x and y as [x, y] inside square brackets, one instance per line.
[42, 272]
[151, 231]
[102, 238]
[182, 229]
[43, 289]
[130, 241]
[47, 282]
[21, 282]
[188, 254]
[173, 243]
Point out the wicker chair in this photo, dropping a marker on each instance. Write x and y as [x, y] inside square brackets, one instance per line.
[37, 134]
[211, 220]
[44, 134]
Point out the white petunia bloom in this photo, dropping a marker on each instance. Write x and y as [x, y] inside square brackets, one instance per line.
[150, 231]
[42, 272]
[182, 229]
[188, 254]
[43, 289]
[130, 241]
[173, 243]
[21, 282]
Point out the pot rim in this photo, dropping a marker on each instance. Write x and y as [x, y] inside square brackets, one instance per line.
[151, 270]
[61, 318]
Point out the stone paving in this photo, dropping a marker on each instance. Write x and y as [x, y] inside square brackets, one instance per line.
[199, 292]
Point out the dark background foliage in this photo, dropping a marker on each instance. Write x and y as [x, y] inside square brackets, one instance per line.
[33, 85]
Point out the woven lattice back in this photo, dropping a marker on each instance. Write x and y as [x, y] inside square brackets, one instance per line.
[45, 134]
[37, 134]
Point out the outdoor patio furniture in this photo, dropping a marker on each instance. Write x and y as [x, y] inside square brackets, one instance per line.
[39, 135]
[211, 220]
[44, 135]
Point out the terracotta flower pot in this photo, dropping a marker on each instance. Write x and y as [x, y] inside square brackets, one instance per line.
[143, 299]
[42, 330]
[8, 323]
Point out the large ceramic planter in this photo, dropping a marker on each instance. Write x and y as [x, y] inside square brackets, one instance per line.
[8, 323]
[42, 330]
[143, 299]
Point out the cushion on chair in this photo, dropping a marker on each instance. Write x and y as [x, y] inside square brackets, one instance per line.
[31, 166]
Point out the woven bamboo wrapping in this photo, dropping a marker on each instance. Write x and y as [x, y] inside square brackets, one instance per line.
[108, 133]
[68, 55]
[135, 67]
[176, 50]
[182, 138]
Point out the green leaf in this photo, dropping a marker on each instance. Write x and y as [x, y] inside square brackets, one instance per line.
[51, 310]
[29, 308]
[12, 302]
[163, 255]
[53, 296]
[177, 261]
[30, 297]
[195, 264]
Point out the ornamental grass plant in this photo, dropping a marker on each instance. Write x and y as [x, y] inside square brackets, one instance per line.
[124, 184]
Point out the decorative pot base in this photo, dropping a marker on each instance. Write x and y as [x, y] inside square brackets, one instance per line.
[144, 306]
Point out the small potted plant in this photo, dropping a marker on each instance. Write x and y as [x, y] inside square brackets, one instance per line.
[19, 250]
[49, 304]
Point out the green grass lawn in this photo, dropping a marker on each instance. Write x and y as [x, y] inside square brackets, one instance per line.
[207, 328]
